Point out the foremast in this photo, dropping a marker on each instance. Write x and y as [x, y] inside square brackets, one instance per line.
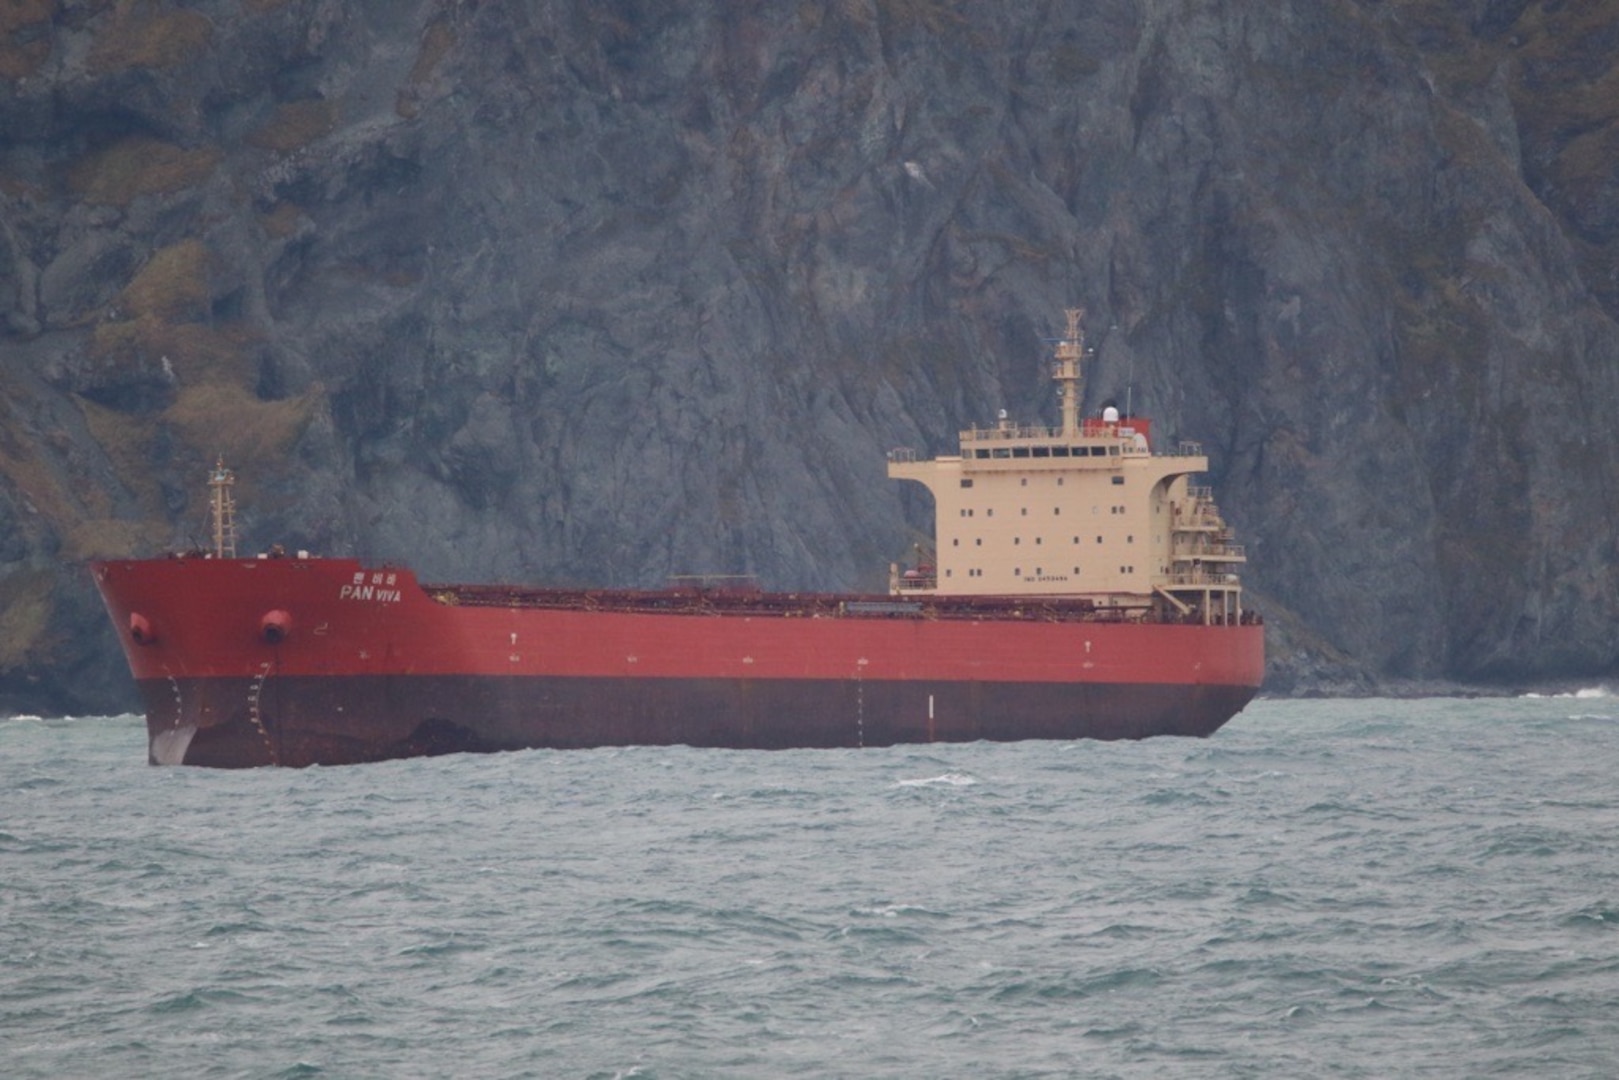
[222, 510]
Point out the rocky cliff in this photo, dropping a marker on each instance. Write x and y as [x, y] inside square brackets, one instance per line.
[599, 292]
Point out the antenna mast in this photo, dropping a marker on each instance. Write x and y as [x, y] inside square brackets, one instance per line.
[222, 510]
[1070, 350]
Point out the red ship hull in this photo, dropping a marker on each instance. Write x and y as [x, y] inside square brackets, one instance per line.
[323, 661]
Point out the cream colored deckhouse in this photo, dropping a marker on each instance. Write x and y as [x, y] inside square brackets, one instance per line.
[1085, 511]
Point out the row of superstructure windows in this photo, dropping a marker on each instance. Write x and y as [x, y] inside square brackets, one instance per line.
[1039, 571]
[979, 542]
[1018, 572]
[1007, 452]
[1023, 481]
[1023, 511]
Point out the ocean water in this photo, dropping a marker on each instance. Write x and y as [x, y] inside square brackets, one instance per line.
[1422, 888]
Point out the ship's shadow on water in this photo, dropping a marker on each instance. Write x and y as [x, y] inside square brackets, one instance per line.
[1358, 888]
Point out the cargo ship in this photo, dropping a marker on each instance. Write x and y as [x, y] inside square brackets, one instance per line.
[1079, 586]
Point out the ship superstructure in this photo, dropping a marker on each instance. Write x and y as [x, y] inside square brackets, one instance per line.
[1087, 510]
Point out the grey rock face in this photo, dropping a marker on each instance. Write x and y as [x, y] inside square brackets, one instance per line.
[603, 292]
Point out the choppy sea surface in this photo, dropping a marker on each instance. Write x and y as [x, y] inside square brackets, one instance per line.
[1324, 888]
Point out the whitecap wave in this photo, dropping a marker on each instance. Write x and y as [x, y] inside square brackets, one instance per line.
[1588, 693]
[892, 911]
[951, 779]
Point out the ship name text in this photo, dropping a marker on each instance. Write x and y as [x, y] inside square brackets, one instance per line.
[377, 589]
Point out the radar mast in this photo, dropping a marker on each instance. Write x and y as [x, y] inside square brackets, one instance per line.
[1070, 350]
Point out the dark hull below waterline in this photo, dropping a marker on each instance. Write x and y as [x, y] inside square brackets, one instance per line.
[306, 720]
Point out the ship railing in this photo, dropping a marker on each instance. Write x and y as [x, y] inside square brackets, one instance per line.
[733, 603]
[1009, 431]
[1126, 427]
[1233, 552]
[914, 582]
[1203, 579]
[1090, 428]
[1214, 618]
[903, 455]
